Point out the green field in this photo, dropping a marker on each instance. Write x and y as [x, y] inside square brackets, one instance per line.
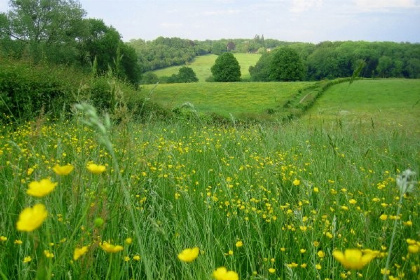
[268, 201]
[202, 64]
[390, 102]
[225, 98]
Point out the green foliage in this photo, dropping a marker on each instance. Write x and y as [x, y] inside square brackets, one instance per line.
[149, 78]
[28, 90]
[286, 65]
[261, 71]
[48, 29]
[185, 75]
[226, 68]
[163, 52]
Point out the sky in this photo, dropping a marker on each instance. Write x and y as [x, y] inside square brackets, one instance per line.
[287, 20]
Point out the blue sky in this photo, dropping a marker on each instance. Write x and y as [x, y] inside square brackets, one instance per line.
[288, 20]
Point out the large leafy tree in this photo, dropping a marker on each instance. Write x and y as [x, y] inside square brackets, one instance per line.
[226, 68]
[49, 28]
[286, 65]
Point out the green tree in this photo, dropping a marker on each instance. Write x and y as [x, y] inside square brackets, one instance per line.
[186, 75]
[226, 68]
[261, 71]
[286, 65]
[51, 29]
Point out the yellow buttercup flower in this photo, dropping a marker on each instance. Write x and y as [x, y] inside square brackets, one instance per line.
[95, 168]
[78, 252]
[189, 254]
[239, 244]
[223, 274]
[41, 188]
[109, 248]
[31, 218]
[414, 249]
[63, 169]
[353, 258]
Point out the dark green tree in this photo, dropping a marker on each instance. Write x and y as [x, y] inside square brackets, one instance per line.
[186, 75]
[261, 71]
[226, 68]
[286, 65]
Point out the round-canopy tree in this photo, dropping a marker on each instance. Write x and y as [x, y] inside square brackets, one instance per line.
[226, 69]
[286, 65]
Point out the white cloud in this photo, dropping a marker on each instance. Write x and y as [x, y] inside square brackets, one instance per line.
[385, 4]
[222, 12]
[171, 25]
[304, 5]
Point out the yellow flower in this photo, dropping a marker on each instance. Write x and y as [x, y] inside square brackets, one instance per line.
[128, 240]
[239, 244]
[41, 188]
[296, 182]
[189, 254]
[352, 201]
[18, 242]
[78, 252]
[318, 266]
[3, 238]
[126, 258]
[383, 217]
[223, 274]
[48, 254]
[353, 258]
[414, 249]
[136, 258]
[321, 254]
[27, 259]
[63, 169]
[96, 169]
[272, 270]
[31, 218]
[109, 248]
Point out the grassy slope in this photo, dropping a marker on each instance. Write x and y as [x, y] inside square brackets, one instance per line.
[389, 102]
[225, 98]
[202, 64]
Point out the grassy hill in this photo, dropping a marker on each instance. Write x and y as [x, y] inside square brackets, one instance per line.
[385, 101]
[238, 99]
[393, 102]
[202, 64]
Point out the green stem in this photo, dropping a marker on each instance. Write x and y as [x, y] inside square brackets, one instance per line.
[388, 259]
[109, 266]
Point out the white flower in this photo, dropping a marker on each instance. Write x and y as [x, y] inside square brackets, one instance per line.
[406, 181]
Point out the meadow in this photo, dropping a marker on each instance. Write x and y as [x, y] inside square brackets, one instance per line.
[202, 65]
[225, 99]
[179, 200]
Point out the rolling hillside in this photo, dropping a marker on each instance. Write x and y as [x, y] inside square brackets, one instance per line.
[202, 64]
[385, 101]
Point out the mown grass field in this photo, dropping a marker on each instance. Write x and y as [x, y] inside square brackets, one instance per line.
[266, 201]
[238, 99]
[202, 65]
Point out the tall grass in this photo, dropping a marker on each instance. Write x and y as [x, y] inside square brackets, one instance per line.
[287, 192]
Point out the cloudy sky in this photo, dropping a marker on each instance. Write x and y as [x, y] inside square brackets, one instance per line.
[288, 20]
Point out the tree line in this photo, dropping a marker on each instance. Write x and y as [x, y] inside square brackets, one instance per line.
[58, 32]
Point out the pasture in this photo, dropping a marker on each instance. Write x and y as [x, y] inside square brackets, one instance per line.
[265, 201]
[202, 65]
[236, 99]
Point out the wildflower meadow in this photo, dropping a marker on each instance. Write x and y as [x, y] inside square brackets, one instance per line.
[88, 199]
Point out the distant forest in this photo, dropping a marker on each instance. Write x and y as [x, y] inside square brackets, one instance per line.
[326, 60]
